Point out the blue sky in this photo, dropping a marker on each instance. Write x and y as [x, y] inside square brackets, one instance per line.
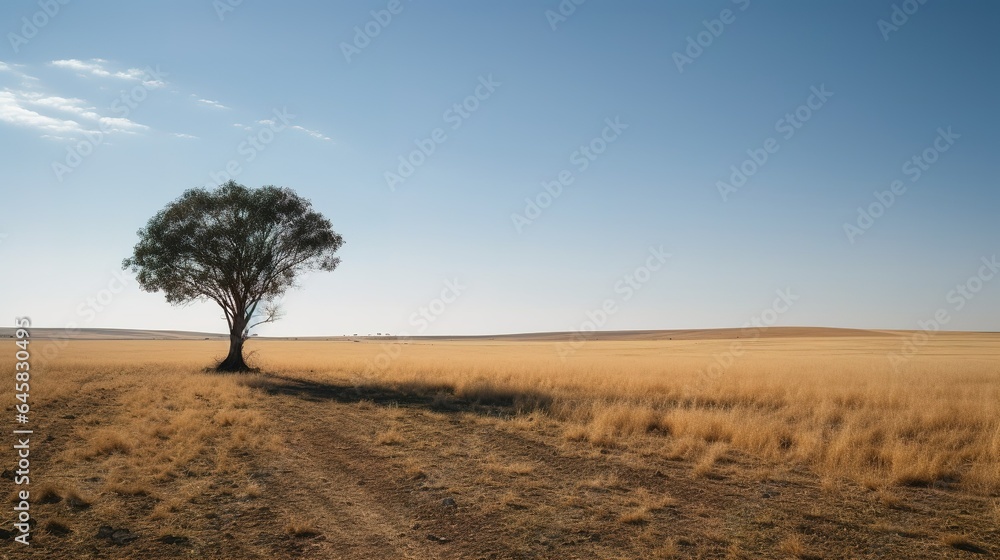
[157, 98]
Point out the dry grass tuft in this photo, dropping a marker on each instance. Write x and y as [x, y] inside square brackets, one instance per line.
[413, 469]
[129, 488]
[517, 468]
[107, 441]
[389, 437]
[707, 462]
[635, 516]
[643, 504]
[603, 482]
[794, 546]
[888, 498]
[301, 528]
[963, 542]
[666, 551]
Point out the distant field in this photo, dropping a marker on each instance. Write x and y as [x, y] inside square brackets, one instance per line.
[802, 443]
[687, 334]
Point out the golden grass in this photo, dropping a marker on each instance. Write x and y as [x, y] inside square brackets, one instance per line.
[643, 505]
[707, 461]
[301, 528]
[627, 436]
[414, 470]
[794, 546]
[963, 542]
[517, 468]
[635, 516]
[389, 437]
[157, 440]
[601, 483]
[832, 404]
[669, 549]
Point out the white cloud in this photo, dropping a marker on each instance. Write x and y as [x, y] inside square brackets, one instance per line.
[68, 105]
[35, 110]
[13, 112]
[313, 133]
[22, 108]
[212, 104]
[97, 67]
[14, 69]
[77, 107]
[118, 124]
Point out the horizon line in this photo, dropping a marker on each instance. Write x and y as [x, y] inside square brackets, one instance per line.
[5, 331]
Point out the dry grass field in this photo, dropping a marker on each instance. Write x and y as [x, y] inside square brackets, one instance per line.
[807, 443]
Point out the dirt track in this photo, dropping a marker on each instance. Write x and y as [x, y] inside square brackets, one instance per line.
[388, 501]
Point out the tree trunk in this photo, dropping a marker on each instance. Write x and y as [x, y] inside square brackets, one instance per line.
[234, 361]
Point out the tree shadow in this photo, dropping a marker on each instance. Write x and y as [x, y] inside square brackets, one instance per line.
[503, 403]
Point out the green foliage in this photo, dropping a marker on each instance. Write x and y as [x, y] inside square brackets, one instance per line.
[235, 246]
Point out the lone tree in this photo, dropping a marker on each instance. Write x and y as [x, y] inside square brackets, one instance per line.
[241, 248]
